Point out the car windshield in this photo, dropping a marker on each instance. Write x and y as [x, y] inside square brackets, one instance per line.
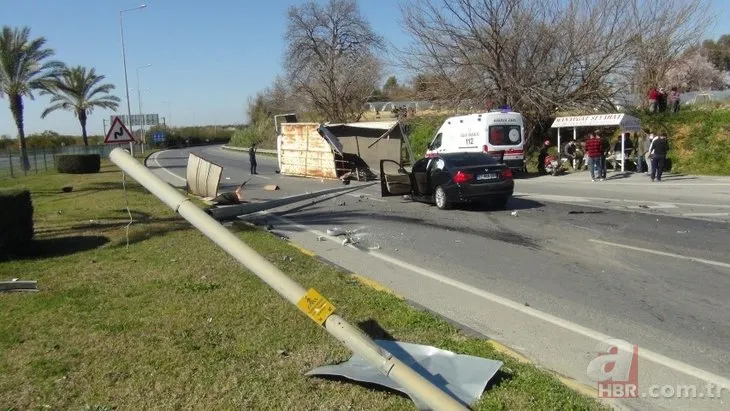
[468, 159]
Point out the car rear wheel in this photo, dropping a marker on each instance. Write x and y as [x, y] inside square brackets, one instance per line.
[439, 197]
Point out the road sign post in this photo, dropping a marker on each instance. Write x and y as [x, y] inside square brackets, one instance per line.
[118, 133]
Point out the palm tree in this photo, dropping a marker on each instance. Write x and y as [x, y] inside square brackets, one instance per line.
[78, 90]
[23, 68]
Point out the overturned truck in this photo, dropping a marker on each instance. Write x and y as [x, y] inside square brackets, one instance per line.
[339, 151]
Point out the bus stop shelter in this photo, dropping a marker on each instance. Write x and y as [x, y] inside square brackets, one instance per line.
[626, 123]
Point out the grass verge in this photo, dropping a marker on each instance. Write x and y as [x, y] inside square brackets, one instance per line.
[173, 322]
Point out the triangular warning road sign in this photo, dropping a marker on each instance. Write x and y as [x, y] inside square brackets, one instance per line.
[118, 133]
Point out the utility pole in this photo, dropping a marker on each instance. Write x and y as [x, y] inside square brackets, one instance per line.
[124, 61]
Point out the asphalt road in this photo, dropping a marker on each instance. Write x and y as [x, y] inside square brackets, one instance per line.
[551, 281]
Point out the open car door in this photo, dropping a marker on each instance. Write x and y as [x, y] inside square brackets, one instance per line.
[394, 179]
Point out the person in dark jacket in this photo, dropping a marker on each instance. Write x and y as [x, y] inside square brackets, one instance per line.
[605, 148]
[659, 150]
[252, 158]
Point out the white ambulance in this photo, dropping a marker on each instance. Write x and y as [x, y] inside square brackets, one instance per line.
[497, 133]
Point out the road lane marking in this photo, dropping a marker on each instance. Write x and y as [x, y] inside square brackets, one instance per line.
[666, 254]
[615, 201]
[551, 319]
[706, 214]
[154, 158]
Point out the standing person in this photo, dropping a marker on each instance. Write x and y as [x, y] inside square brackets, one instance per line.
[542, 156]
[674, 100]
[659, 150]
[653, 97]
[593, 152]
[647, 152]
[641, 148]
[605, 148]
[252, 158]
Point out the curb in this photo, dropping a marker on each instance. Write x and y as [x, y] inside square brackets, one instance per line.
[245, 149]
[497, 346]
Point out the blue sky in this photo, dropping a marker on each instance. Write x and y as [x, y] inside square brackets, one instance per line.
[207, 58]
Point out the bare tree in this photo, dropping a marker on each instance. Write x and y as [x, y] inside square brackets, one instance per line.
[331, 59]
[540, 56]
[665, 30]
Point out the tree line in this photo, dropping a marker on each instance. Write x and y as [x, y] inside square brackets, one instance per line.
[539, 57]
[26, 67]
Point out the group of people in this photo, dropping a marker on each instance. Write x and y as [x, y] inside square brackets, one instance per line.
[660, 101]
[651, 149]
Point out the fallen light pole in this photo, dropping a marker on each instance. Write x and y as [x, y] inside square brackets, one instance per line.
[315, 306]
[233, 211]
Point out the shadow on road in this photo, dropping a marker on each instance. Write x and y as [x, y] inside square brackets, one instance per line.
[329, 218]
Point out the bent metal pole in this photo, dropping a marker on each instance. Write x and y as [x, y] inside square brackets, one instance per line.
[315, 306]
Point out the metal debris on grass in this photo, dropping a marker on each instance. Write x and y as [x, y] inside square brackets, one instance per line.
[18, 285]
[463, 376]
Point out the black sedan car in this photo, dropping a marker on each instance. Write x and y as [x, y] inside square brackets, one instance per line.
[450, 178]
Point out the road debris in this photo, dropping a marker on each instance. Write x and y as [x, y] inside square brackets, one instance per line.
[320, 238]
[682, 232]
[228, 224]
[283, 353]
[287, 259]
[335, 231]
[230, 197]
[67, 189]
[514, 213]
[457, 241]
[271, 187]
[464, 375]
[342, 204]
[643, 206]
[18, 285]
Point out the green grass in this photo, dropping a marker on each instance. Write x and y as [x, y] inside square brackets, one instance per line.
[699, 138]
[173, 322]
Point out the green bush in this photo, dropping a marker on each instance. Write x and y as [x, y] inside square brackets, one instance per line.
[421, 130]
[16, 219]
[261, 133]
[78, 163]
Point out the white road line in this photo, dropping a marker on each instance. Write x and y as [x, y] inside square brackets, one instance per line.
[706, 214]
[367, 197]
[578, 329]
[664, 183]
[558, 198]
[260, 176]
[154, 158]
[678, 256]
